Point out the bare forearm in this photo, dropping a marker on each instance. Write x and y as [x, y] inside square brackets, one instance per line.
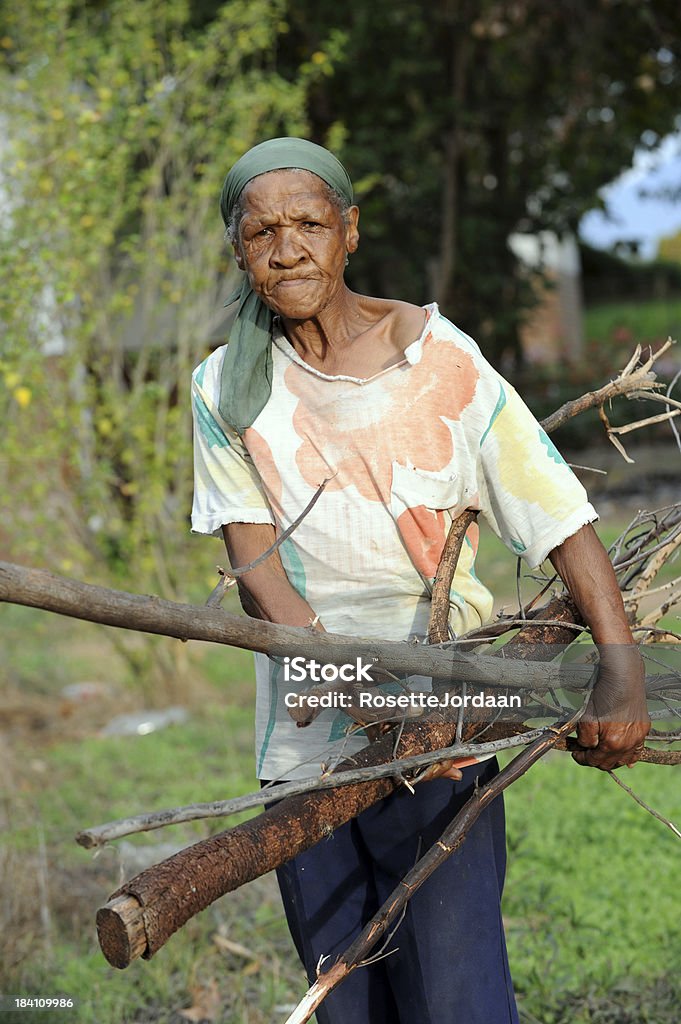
[266, 592]
[613, 728]
[583, 564]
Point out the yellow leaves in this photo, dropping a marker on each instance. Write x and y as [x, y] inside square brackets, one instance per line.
[45, 185]
[105, 426]
[87, 221]
[6, 43]
[22, 396]
[129, 489]
[89, 116]
[104, 93]
[175, 296]
[20, 392]
[57, 114]
[319, 62]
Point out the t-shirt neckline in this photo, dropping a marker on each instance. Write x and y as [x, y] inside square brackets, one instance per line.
[412, 353]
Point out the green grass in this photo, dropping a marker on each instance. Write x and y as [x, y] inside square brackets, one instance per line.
[588, 901]
[633, 322]
[590, 904]
[65, 785]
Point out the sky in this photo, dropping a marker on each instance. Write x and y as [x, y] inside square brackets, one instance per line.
[629, 215]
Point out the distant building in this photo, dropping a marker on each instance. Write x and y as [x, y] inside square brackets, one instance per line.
[554, 329]
[669, 248]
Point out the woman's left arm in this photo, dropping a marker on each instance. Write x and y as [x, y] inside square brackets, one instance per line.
[613, 729]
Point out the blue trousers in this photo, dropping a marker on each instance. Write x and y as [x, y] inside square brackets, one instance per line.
[449, 964]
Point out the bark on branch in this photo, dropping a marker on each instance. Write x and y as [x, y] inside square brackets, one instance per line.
[37, 588]
[170, 893]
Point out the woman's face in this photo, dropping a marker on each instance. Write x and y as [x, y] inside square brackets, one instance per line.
[293, 242]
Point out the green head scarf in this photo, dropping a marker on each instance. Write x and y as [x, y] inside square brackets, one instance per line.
[246, 382]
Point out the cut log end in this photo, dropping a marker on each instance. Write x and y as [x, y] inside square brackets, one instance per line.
[121, 932]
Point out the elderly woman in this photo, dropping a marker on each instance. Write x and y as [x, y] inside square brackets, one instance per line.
[403, 417]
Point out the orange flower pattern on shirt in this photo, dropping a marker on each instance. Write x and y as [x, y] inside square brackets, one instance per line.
[355, 433]
[410, 447]
[424, 532]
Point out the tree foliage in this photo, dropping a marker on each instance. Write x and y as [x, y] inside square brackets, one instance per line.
[467, 120]
[121, 120]
[460, 122]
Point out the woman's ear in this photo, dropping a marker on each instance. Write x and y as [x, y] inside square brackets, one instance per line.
[351, 229]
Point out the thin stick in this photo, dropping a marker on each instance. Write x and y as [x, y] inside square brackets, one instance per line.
[99, 835]
[230, 575]
[588, 469]
[648, 422]
[632, 382]
[675, 429]
[644, 805]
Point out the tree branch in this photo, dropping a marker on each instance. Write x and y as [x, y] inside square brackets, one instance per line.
[634, 381]
[438, 626]
[37, 588]
[100, 835]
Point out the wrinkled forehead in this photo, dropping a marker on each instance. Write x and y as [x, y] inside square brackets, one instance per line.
[282, 183]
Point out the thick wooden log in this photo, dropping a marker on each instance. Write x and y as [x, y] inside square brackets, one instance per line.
[121, 931]
[172, 892]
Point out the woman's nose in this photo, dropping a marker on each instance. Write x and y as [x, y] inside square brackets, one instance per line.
[287, 250]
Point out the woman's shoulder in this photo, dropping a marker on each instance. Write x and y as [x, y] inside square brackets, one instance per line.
[407, 320]
[206, 375]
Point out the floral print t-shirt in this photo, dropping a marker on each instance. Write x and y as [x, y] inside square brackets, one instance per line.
[404, 452]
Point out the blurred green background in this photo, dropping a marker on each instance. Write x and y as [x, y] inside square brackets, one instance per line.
[464, 125]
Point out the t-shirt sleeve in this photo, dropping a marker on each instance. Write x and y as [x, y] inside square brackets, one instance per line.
[227, 488]
[528, 493]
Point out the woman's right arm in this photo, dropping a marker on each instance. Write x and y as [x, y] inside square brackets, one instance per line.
[265, 591]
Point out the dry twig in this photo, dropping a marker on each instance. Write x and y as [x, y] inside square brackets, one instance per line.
[230, 576]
